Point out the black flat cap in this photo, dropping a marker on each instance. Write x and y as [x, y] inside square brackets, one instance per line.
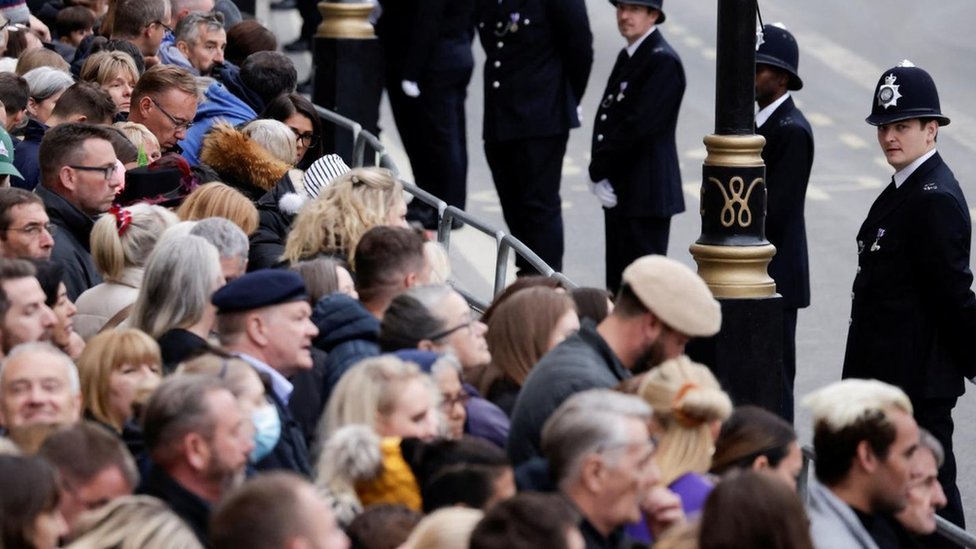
[257, 289]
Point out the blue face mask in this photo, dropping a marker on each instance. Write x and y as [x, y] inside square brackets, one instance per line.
[267, 426]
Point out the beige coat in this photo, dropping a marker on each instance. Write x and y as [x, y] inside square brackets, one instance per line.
[97, 305]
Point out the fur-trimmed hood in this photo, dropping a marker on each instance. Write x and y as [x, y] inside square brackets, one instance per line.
[240, 162]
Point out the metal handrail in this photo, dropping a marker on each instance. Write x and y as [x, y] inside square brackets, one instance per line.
[943, 527]
[505, 243]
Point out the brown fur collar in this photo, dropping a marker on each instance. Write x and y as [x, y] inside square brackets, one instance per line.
[238, 160]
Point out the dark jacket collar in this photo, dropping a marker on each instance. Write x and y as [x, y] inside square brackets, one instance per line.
[193, 509]
[892, 198]
[591, 337]
[66, 215]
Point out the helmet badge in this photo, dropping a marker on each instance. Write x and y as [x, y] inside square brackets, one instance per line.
[888, 95]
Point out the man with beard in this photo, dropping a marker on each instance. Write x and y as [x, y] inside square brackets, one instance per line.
[864, 436]
[198, 440]
[264, 317]
[661, 305]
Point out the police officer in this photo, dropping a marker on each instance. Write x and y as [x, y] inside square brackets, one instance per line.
[538, 59]
[428, 66]
[788, 155]
[913, 314]
[634, 161]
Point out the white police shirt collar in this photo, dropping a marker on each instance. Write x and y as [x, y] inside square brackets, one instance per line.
[631, 49]
[903, 174]
[763, 115]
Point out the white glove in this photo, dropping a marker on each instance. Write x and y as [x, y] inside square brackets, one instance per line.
[410, 88]
[604, 193]
[579, 113]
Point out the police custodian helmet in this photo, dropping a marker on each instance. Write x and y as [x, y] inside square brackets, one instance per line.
[656, 4]
[905, 92]
[777, 48]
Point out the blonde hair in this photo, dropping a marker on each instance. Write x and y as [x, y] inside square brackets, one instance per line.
[100, 68]
[447, 528]
[220, 200]
[112, 252]
[40, 57]
[232, 371]
[335, 221]
[139, 135]
[686, 399]
[370, 389]
[843, 403]
[134, 522]
[439, 261]
[275, 137]
[105, 353]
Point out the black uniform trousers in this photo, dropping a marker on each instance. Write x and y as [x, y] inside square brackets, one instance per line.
[629, 238]
[789, 361]
[433, 131]
[527, 174]
[309, 10]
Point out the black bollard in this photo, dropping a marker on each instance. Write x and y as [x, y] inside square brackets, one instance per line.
[732, 252]
[348, 71]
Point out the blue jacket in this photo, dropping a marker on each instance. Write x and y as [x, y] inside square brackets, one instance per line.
[220, 104]
[26, 156]
[347, 332]
[169, 54]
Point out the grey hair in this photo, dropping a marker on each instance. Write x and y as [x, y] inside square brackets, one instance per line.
[177, 407]
[928, 441]
[44, 347]
[47, 81]
[586, 423]
[274, 137]
[188, 29]
[430, 296]
[176, 288]
[225, 235]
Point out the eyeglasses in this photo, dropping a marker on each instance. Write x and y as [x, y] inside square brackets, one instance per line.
[448, 401]
[308, 139]
[164, 25]
[445, 333]
[107, 171]
[34, 229]
[179, 124]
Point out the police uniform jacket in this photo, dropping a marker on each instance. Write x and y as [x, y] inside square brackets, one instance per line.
[788, 155]
[421, 37]
[913, 314]
[538, 59]
[633, 137]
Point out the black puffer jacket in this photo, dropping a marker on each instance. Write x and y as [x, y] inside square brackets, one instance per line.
[347, 332]
[276, 211]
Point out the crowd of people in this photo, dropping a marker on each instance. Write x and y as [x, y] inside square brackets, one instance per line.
[215, 334]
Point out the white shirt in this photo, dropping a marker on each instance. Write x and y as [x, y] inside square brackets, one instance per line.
[633, 47]
[906, 172]
[279, 384]
[763, 115]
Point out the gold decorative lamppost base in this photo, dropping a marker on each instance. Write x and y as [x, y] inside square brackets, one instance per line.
[732, 253]
[345, 20]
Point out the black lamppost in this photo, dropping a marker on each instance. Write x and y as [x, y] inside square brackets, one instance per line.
[732, 252]
[347, 61]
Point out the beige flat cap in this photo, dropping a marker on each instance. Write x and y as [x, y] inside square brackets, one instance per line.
[675, 294]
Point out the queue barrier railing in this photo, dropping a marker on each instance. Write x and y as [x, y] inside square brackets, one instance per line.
[943, 527]
[368, 150]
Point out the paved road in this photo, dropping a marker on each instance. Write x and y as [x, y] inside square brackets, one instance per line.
[844, 47]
